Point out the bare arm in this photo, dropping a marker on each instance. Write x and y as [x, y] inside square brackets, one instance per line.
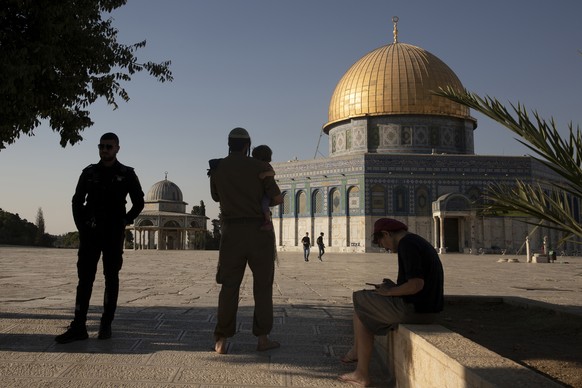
[265, 174]
[276, 200]
[411, 287]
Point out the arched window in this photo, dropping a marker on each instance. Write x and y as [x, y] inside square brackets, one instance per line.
[317, 202]
[301, 203]
[146, 223]
[353, 200]
[474, 195]
[378, 199]
[171, 224]
[335, 202]
[400, 200]
[286, 205]
[422, 203]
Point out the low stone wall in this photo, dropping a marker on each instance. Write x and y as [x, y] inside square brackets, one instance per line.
[433, 356]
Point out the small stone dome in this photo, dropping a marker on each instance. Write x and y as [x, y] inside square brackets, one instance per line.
[164, 191]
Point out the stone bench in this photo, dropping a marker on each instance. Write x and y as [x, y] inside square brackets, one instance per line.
[434, 356]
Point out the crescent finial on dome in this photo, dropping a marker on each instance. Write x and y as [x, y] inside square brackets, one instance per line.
[395, 31]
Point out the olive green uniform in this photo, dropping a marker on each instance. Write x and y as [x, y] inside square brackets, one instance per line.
[235, 183]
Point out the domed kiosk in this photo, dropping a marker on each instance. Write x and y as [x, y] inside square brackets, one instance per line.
[398, 150]
[164, 223]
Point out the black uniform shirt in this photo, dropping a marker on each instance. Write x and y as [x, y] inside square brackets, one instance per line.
[101, 193]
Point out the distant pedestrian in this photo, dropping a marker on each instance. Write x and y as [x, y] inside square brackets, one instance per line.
[321, 246]
[99, 214]
[306, 246]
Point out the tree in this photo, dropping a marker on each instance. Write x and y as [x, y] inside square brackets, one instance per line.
[213, 241]
[563, 156]
[129, 240]
[16, 231]
[68, 240]
[199, 210]
[39, 238]
[56, 59]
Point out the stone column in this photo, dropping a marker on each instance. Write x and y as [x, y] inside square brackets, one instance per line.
[436, 238]
[462, 234]
[473, 239]
[442, 227]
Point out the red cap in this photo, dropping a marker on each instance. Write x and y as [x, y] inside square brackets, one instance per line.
[388, 225]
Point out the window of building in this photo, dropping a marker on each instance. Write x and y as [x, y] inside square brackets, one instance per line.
[422, 201]
[301, 203]
[286, 205]
[400, 199]
[378, 199]
[317, 202]
[335, 203]
[353, 200]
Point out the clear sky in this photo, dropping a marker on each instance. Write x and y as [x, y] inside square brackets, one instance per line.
[271, 66]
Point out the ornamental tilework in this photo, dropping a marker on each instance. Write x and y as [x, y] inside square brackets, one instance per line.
[359, 138]
[421, 135]
[389, 135]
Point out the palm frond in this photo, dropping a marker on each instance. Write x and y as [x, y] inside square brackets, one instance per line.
[552, 206]
[562, 156]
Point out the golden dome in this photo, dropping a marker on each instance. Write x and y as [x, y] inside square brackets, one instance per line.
[396, 79]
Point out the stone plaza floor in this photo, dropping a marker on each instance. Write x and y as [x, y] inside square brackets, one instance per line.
[162, 334]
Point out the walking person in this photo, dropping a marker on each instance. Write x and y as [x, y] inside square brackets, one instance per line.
[416, 297]
[321, 246]
[235, 184]
[100, 217]
[306, 241]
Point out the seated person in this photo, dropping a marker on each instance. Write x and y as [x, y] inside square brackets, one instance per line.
[415, 298]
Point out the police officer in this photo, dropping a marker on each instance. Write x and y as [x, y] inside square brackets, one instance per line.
[235, 184]
[100, 216]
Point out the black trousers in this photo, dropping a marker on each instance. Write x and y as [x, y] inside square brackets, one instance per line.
[106, 240]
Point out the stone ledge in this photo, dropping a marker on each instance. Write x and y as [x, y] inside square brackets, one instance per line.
[434, 356]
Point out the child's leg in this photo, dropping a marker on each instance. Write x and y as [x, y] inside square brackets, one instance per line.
[266, 210]
[267, 224]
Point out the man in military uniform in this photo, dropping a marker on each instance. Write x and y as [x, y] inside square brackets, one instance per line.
[235, 184]
[100, 216]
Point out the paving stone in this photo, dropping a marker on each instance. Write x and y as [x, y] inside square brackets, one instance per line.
[163, 331]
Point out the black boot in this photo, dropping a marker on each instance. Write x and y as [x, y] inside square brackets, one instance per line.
[75, 332]
[104, 331]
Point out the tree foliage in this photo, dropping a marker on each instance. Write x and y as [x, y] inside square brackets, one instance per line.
[56, 59]
[68, 240]
[199, 210]
[16, 231]
[40, 228]
[562, 155]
